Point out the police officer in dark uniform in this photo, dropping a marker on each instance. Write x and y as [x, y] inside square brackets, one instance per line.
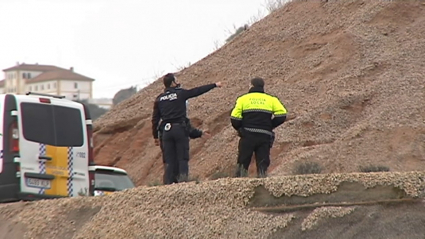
[170, 107]
[252, 118]
[194, 133]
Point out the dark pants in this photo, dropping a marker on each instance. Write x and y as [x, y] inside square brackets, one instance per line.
[250, 143]
[175, 143]
[183, 165]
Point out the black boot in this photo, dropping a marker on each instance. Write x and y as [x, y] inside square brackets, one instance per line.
[241, 171]
[261, 173]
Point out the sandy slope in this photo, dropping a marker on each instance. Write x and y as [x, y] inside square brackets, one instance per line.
[351, 74]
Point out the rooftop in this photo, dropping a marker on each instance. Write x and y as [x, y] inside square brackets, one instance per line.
[49, 72]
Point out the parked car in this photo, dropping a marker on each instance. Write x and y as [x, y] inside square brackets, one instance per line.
[110, 179]
[46, 148]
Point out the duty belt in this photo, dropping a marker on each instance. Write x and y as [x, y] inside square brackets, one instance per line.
[262, 131]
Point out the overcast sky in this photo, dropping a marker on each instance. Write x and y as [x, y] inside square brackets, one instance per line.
[119, 43]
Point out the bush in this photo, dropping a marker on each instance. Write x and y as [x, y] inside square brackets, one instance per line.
[307, 168]
[374, 168]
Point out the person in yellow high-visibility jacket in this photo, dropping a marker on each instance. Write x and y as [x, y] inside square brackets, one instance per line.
[255, 116]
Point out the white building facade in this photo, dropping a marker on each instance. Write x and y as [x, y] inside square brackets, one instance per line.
[46, 79]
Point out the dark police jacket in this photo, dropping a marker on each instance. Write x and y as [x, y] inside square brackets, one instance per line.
[258, 112]
[170, 106]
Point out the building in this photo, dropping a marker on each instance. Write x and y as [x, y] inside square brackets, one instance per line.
[46, 79]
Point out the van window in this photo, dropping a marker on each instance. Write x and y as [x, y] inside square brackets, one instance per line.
[51, 124]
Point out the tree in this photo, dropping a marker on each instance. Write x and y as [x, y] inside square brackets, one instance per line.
[237, 32]
[124, 94]
[95, 110]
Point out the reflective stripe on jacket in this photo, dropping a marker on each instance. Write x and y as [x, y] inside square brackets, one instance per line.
[255, 111]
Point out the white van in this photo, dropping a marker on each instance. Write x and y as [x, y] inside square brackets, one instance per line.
[46, 148]
[110, 179]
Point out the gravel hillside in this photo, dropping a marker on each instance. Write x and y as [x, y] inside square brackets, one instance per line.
[351, 74]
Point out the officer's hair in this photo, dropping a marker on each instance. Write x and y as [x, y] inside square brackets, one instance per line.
[168, 79]
[257, 82]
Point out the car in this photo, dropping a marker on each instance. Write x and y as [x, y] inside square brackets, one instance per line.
[110, 179]
[46, 147]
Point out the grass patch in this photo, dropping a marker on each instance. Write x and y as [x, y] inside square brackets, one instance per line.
[306, 168]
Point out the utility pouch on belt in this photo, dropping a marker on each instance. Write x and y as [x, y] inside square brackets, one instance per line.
[186, 127]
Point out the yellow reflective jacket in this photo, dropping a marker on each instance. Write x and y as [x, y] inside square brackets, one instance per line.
[254, 111]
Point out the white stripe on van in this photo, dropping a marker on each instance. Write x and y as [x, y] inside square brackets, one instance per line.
[89, 122]
[42, 163]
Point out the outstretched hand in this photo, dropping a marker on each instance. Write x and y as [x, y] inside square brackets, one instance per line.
[219, 84]
[206, 135]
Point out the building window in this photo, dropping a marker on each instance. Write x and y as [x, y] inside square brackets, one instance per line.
[24, 75]
[75, 85]
[48, 86]
[36, 88]
[28, 75]
[54, 85]
[42, 87]
[30, 88]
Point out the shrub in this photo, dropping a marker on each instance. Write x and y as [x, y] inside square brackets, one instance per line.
[374, 168]
[307, 168]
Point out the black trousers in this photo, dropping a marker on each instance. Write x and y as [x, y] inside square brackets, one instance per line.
[251, 143]
[183, 165]
[175, 146]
